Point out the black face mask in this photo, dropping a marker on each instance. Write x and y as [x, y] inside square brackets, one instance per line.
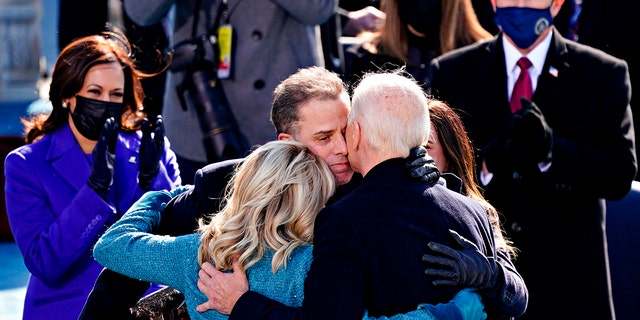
[423, 15]
[90, 115]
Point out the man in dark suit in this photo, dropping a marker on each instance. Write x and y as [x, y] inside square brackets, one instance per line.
[366, 244]
[549, 167]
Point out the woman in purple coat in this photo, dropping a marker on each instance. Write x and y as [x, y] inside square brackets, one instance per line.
[83, 165]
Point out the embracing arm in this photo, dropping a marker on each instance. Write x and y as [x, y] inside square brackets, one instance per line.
[113, 294]
[510, 294]
[128, 248]
[465, 305]
[496, 278]
[223, 291]
[181, 214]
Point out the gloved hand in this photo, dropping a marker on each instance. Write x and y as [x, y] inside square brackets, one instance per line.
[151, 150]
[531, 136]
[467, 267]
[495, 154]
[104, 155]
[421, 165]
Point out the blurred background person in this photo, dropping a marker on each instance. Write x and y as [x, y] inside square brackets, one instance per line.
[271, 41]
[83, 165]
[608, 25]
[542, 167]
[413, 33]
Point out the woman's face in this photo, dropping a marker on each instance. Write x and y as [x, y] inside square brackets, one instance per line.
[105, 83]
[434, 149]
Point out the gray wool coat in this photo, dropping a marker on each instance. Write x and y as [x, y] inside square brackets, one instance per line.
[274, 39]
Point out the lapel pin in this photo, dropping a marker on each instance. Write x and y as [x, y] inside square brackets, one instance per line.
[553, 71]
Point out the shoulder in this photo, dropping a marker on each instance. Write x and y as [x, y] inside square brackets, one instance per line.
[471, 51]
[593, 55]
[219, 168]
[36, 150]
[456, 199]
[216, 175]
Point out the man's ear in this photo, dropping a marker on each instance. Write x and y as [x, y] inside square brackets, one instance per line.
[556, 5]
[356, 134]
[285, 136]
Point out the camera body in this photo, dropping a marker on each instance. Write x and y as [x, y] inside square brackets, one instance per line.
[202, 90]
[190, 53]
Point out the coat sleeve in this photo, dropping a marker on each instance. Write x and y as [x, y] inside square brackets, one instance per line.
[51, 242]
[168, 176]
[128, 248]
[182, 213]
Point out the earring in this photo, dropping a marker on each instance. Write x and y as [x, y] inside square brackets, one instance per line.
[65, 104]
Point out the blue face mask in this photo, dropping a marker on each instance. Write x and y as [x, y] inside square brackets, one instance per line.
[523, 25]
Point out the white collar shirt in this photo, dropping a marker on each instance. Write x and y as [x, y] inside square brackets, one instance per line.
[536, 56]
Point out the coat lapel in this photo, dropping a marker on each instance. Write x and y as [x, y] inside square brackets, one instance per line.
[63, 151]
[497, 71]
[556, 66]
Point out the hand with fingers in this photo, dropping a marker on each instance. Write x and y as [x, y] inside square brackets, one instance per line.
[151, 150]
[463, 267]
[101, 177]
[421, 165]
[222, 289]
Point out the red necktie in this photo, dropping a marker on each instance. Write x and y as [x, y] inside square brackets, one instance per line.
[523, 87]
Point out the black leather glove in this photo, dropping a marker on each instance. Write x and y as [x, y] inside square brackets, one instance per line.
[531, 137]
[151, 150]
[421, 165]
[467, 267]
[104, 155]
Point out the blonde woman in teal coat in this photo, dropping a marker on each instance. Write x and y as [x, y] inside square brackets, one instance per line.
[83, 166]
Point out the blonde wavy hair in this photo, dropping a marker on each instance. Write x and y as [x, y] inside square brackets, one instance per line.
[270, 203]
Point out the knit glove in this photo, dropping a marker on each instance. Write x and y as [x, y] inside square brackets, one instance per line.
[101, 177]
[151, 150]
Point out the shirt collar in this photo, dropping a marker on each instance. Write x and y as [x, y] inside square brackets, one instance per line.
[536, 56]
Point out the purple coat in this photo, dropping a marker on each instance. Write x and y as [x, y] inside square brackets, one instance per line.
[56, 218]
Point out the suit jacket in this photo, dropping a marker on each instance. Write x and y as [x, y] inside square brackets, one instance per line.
[273, 40]
[555, 218]
[367, 249]
[56, 218]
